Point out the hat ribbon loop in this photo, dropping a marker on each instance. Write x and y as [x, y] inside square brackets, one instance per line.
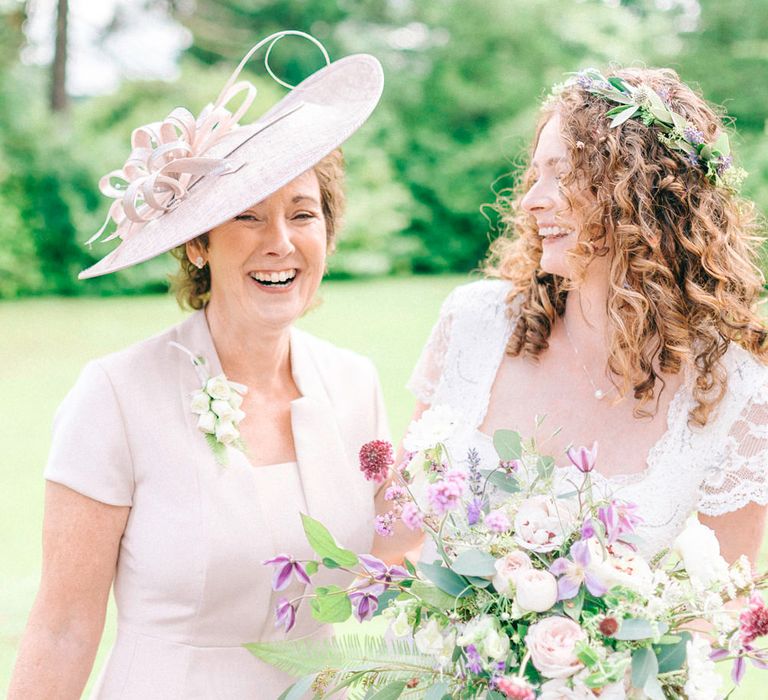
[169, 157]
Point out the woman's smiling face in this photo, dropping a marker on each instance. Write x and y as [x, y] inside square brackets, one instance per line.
[267, 262]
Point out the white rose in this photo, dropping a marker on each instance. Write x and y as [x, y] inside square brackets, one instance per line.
[222, 409]
[201, 402]
[226, 432]
[699, 549]
[552, 643]
[536, 590]
[207, 422]
[507, 569]
[237, 416]
[218, 387]
[435, 425]
[235, 400]
[620, 565]
[543, 523]
[495, 644]
[485, 634]
[430, 640]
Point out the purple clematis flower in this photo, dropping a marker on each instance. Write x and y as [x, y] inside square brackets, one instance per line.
[380, 571]
[739, 668]
[285, 614]
[284, 565]
[573, 572]
[619, 518]
[365, 601]
[582, 458]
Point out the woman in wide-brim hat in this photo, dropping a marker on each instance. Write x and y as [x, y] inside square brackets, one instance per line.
[181, 463]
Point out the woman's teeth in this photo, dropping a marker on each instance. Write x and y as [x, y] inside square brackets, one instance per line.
[551, 232]
[274, 279]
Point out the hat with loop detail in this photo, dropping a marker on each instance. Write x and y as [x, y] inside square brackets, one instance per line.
[187, 175]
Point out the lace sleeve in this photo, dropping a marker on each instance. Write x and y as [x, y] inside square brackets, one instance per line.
[426, 375]
[742, 475]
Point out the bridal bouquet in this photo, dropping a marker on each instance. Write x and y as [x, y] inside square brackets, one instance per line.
[536, 590]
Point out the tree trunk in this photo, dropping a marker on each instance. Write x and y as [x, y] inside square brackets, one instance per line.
[59, 102]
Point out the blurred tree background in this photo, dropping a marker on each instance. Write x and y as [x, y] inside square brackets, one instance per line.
[463, 80]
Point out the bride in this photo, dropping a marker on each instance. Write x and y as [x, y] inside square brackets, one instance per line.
[621, 309]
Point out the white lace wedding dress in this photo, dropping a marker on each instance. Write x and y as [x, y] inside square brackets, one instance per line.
[714, 470]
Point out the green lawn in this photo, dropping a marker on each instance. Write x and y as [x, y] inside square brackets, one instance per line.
[45, 342]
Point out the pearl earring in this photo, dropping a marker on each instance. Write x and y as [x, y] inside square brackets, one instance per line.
[199, 262]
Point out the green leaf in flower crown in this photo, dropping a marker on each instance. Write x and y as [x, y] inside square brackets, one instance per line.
[633, 629]
[323, 543]
[671, 657]
[445, 579]
[722, 144]
[331, 605]
[618, 83]
[508, 444]
[644, 666]
[473, 562]
[391, 691]
[297, 690]
[624, 115]
[433, 596]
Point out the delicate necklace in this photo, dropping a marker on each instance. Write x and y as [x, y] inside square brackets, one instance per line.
[599, 393]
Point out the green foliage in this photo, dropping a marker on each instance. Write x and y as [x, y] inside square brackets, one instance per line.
[331, 604]
[324, 544]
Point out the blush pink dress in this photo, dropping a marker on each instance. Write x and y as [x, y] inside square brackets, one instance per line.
[189, 586]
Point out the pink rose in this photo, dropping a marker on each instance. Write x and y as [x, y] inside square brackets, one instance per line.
[552, 643]
[507, 569]
[536, 590]
[543, 523]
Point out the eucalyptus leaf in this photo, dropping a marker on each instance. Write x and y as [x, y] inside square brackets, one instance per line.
[384, 598]
[508, 444]
[653, 689]
[297, 690]
[502, 481]
[473, 562]
[437, 691]
[321, 540]
[671, 657]
[391, 691]
[644, 666]
[545, 466]
[633, 629]
[445, 579]
[433, 596]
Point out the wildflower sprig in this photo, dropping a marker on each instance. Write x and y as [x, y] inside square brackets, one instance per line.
[674, 130]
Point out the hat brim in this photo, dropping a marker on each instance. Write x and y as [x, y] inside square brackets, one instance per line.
[320, 114]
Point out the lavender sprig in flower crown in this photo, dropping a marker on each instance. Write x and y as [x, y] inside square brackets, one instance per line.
[674, 130]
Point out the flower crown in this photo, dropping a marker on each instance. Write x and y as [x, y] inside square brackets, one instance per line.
[675, 131]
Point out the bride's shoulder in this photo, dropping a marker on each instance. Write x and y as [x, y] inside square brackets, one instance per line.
[746, 373]
[476, 297]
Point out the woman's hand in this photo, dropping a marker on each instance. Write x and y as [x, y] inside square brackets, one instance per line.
[81, 539]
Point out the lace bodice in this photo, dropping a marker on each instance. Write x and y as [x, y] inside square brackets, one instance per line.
[714, 470]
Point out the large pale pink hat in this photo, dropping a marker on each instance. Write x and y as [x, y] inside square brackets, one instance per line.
[186, 175]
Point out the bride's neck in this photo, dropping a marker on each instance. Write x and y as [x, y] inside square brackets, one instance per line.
[586, 316]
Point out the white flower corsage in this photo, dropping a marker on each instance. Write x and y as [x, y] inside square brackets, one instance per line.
[217, 404]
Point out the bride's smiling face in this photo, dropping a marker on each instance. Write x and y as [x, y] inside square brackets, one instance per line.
[556, 223]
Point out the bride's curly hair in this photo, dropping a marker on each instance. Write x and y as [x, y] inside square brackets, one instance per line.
[684, 275]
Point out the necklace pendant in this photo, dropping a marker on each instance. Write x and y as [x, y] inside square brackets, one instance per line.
[599, 394]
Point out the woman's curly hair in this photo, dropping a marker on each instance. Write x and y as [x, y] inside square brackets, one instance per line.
[684, 278]
[192, 286]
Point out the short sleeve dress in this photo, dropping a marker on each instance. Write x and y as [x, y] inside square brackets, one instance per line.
[190, 587]
[713, 470]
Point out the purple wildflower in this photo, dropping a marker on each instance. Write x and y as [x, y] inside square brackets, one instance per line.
[445, 495]
[693, 136]
[384, 524]
[573, 572]
[365, 601]
[395, 493]
[474, 510]
[584, 81]
[583, 458]
[474, 661]
[588, 529]
[380, 571]
[693, 159]
[619, 518]
[284, 565]
[285, 614]
[724, 163]
[497, 521]
[412, 516]
[376, 459]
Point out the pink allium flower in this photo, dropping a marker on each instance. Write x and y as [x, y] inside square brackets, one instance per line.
[412, 516]
[384, 524]
[497, 521]
[516, 688]
[445, 495]
[753, 619]
[375, 460]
